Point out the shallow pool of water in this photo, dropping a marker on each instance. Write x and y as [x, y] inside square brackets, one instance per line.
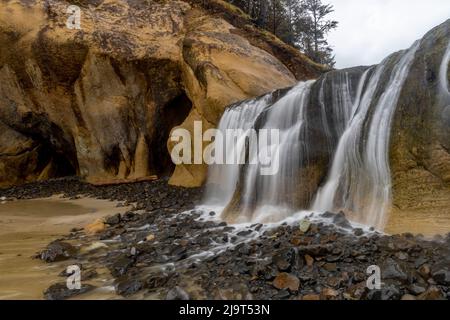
[26, 227]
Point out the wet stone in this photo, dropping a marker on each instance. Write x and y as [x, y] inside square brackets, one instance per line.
[286, 281]
[113, 220]
[60, 291]
[392, 270]
[177, 293]
[341, 221]
[121, 266]
[127, 286]
[57, 251]
[284, 259]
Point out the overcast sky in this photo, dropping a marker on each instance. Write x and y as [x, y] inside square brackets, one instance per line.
[369, 30]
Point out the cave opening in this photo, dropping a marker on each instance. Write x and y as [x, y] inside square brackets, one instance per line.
[58, 164]
[172, 115]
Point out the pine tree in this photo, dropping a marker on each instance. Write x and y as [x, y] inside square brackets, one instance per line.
[302, 23]
[319, 27]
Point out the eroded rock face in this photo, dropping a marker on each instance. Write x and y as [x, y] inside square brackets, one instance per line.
[101, 101]
[420, 143]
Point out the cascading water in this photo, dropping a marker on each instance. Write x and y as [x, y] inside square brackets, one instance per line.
[360, 181]
[346, 158]
[356, 126]
[443, 72]
[268, 198]
[287, 116]
[271, 197]
[222, 178]
[341, 100]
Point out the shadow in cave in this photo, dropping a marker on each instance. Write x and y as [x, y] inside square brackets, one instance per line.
[173, 114]
[59, 164]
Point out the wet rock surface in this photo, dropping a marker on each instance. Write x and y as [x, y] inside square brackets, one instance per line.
[57, 251]
[60, 291]
[165, 248]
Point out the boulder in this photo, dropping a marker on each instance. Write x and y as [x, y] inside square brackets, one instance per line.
[57, 251]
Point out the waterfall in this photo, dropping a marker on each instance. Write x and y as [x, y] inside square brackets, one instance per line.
[341, 100]
[286, 115]
[269, 198]
[222, 178]
[360, 181]
[347, 156]
[356, 125]
[443, 72]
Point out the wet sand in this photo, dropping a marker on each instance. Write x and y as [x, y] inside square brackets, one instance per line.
[27, 226]
[426, 222]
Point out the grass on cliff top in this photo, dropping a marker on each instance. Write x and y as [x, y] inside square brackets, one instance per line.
[269, 35]
[240, 19]
[232, 8]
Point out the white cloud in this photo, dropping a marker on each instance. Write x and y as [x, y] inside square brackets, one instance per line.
[369, 30]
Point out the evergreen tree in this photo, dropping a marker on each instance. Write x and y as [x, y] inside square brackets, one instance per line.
[319, 27]
[302, 23]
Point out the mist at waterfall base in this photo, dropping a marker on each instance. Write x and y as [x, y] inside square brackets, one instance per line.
[358, 181]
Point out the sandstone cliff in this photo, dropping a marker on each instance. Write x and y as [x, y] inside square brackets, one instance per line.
[100, 101]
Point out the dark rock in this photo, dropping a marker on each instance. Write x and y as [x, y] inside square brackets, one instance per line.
[284, 259]
[157, 281]
[401, 256]
[419, 262]
[388, 292]
[269, 273]
[392, 270]
[244, 233]
[442, 276]
[127, 286]
[335, 282]
[113, 220]
[328, 215]
[417, 289]
[341, 221]
[121, 266]
[316, 250]
[57, 251]
[177, 294]
[357, 291]
[179, 253]
[281, 295]
[59, 291]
